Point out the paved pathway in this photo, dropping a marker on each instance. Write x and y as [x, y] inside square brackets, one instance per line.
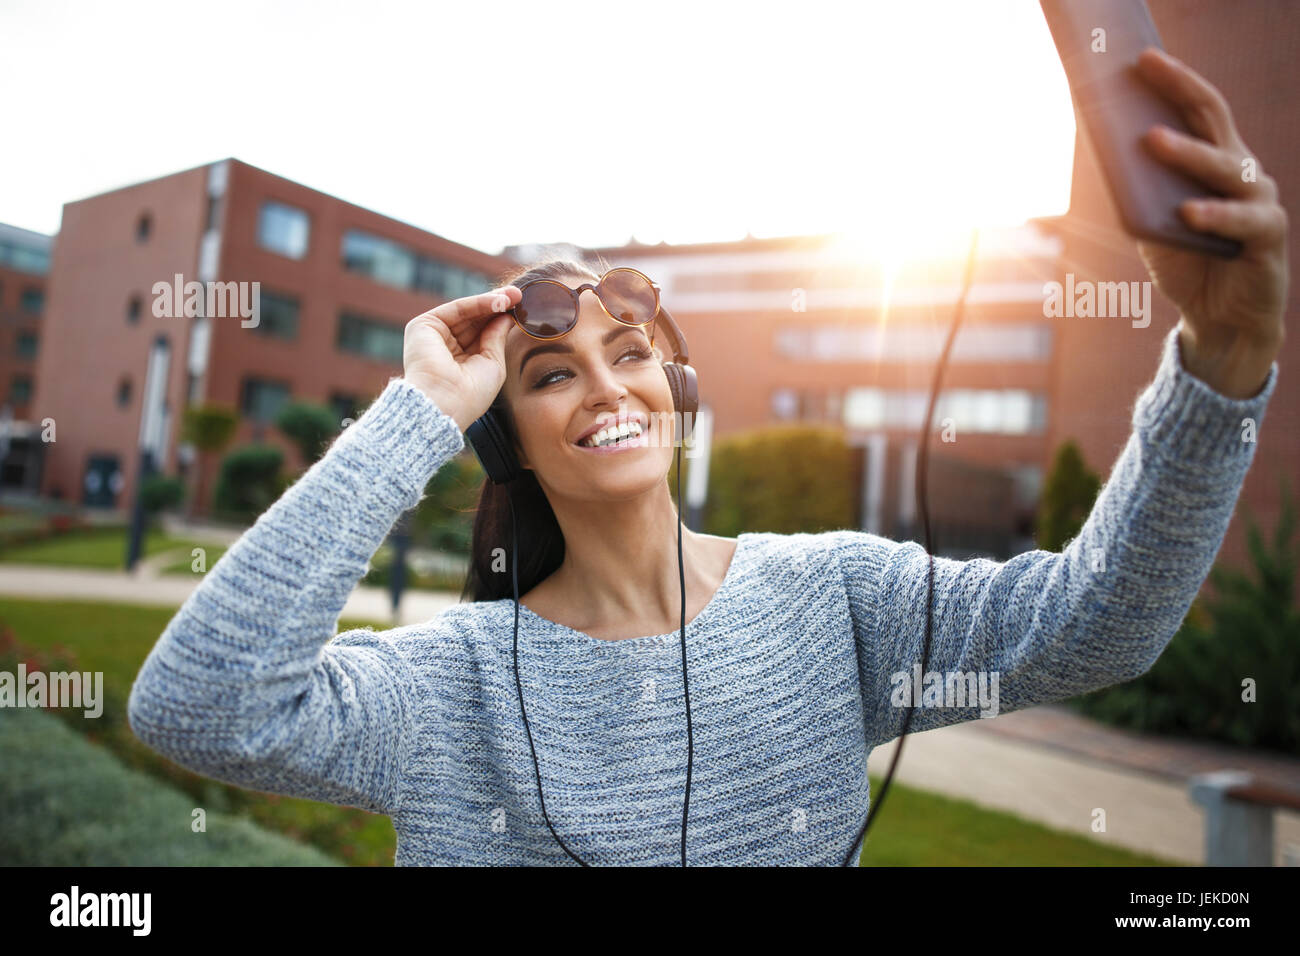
[171, 590]
[1025, 768]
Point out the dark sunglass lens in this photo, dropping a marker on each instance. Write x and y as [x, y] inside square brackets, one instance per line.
[628, 296]
[546, 310]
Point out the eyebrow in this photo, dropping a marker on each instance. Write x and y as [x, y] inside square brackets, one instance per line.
[605, 339]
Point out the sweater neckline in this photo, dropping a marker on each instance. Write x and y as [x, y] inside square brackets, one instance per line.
[719, 596]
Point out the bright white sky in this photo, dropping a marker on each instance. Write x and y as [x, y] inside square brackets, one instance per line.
[585, 122]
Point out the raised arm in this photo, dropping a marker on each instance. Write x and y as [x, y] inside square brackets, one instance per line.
[1052, 625]
[248, 683]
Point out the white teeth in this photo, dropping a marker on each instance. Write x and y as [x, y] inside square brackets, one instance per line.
[613, 434]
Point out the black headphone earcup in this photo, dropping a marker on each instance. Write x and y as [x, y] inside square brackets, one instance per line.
[685, 389]
[491, 444]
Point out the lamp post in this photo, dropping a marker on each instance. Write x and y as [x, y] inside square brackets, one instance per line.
[153, 439]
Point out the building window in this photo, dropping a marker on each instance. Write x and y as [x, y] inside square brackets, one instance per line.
[370, 337]
[124, 393]
[283, 229]
[133, 306]
[262, 400]
[24, 258]
[279, 316]
[391, 263]
[143, 227]
[20, 390]
[991, 342]
[785, 404]
[26, 345]
[1006, 411]
[32, 300]
[380, 259]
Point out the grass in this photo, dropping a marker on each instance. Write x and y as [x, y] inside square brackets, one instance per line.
[98, 548]
[916, 827]
[185, 563]
[927, 829]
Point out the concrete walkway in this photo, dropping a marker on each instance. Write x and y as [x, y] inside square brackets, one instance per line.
[171, 590]
[1045, 764]
[1046, 778]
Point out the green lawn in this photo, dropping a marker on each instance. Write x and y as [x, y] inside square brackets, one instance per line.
[100, 548]
[915, 827]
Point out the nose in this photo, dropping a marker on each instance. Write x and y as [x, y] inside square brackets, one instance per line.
[607, 389]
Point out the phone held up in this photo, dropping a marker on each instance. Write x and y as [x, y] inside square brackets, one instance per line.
[1099, 42]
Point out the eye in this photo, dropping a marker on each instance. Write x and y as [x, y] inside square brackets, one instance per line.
[641, 352]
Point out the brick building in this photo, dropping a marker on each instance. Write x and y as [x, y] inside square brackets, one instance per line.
[806, 329]
[336, 284]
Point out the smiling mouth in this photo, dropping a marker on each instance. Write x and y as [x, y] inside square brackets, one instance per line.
[621, 435]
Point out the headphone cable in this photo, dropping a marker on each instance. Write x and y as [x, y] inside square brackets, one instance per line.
[690, 738]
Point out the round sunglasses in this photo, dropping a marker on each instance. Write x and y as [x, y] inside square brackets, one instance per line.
[548, 308]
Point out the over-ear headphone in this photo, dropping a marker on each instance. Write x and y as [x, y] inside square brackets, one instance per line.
[490, 439]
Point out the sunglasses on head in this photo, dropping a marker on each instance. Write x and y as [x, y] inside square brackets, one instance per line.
[548, 308]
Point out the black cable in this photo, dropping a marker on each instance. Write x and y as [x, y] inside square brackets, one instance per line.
[922, 483]
[690, 738]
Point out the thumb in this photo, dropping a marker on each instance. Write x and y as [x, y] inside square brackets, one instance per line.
[493, 339]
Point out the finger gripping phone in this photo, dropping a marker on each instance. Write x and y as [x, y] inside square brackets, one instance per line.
[1099, 42]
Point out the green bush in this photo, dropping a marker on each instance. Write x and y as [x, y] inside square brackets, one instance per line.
[786, 479]
[1068, 496]
[66, 802]
[249, 481]
[309, 427]
[160, 492]
[209, 427]
[1249, 628]
[444, 518]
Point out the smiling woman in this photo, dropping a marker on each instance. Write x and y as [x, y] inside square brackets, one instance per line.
[797, 642]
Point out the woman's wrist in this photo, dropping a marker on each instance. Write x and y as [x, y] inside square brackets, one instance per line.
[1236, 367]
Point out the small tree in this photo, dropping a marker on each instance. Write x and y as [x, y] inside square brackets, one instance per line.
[1068, 496]
[309, 427]
[249, 481]
[209, 429]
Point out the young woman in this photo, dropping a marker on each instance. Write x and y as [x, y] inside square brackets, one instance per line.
[800, 647]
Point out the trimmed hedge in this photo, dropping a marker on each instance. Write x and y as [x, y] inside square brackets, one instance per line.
[66, 802]
[786, 478]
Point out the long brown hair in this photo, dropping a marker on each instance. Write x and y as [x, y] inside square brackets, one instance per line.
[540, 542]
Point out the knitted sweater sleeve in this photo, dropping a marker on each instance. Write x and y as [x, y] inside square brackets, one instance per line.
[248, 682]
[1045, 626]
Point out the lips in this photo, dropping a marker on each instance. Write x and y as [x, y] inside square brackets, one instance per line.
[639, 417]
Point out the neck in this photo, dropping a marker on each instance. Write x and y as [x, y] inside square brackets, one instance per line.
[620, 562]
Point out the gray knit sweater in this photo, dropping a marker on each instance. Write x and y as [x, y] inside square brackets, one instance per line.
[800, 664]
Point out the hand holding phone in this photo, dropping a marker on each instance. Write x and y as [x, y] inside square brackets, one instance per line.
[1099, 42]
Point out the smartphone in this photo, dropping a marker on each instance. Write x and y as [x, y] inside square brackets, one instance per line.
[1099, 42]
